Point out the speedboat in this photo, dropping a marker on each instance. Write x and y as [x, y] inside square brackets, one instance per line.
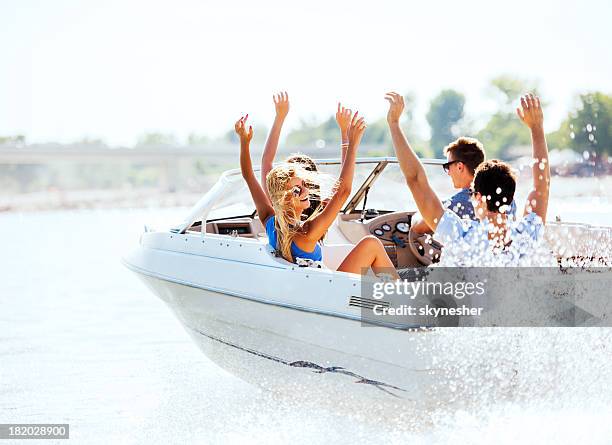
[305, 330]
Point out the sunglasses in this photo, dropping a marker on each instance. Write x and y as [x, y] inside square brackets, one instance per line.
[446, 165]
[297, 190]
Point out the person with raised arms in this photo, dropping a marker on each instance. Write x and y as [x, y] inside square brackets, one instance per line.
[492, 192]
[288, 197]
[281, 106]
[463, 156]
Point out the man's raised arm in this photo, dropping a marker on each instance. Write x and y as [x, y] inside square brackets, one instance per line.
[427, 201]
[531, 114]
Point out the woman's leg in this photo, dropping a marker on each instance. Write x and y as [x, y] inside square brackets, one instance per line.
[369, 252]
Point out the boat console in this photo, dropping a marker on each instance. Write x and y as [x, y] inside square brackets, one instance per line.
[405, 249]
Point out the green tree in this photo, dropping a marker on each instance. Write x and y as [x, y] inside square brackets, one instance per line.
[560, 138]
[231, 136]
[156, 139]
[309, 131]
[587, 128]
[13, 140]
[197, 139]
[377, 136]
[445, 111]
[590, 125]
[510, 88]
[504, 130]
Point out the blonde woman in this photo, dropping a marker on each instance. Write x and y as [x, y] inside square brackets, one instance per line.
[289, 196]
[281, 107]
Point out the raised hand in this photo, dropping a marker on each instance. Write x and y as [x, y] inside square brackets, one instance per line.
[530, 111]
[262, 202]
[342, 190]
[281, 104]
[356, 130]
[343, 117]
[240, 127]
[396, 107]
[425, 197]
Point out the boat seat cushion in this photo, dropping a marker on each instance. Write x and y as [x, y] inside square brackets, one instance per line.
[334, 254]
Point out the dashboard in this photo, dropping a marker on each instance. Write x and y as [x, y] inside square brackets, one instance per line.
[391, 230]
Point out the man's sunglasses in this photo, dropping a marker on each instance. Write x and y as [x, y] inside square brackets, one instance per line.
[446, 165]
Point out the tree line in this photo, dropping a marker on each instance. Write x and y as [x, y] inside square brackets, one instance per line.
[586, 128]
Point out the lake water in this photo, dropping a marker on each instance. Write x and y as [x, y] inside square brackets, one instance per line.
[83, 342]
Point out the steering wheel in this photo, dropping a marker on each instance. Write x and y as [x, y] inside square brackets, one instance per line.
[424, 248]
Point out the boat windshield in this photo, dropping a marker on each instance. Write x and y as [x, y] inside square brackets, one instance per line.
[235, 200]
[388, 193]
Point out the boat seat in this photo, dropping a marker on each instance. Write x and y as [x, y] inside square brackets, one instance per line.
[334, 254]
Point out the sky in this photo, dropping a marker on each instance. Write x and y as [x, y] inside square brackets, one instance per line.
[114, 70]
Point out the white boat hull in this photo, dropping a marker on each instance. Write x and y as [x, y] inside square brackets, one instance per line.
[301, 331]
[304, 354]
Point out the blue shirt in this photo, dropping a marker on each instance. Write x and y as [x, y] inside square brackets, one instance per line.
[461, 204]
[296, 252]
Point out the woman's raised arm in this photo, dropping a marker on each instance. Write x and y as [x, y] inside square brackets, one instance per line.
[343, 117]
[262, 202]
[281, 104]
[319, 225]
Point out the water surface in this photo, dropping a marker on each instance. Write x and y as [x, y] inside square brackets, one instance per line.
[83, 342]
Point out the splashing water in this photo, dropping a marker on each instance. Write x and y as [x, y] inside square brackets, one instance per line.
[565, 244]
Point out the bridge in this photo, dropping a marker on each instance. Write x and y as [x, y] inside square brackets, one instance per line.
[49, 153]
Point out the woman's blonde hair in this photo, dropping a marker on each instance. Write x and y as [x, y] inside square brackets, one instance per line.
[304, 160]
[285, 218]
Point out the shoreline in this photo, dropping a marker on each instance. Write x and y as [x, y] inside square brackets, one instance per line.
[96, 199]
[598, 187]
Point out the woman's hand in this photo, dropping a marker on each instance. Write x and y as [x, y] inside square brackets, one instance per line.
[356, 130]
[262, 202]
[343, 117]
[396, 107]
[244, 135]
[319, 225]
[281, 104]
[530, 112]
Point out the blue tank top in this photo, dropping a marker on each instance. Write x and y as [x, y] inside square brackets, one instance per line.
[315, 255]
